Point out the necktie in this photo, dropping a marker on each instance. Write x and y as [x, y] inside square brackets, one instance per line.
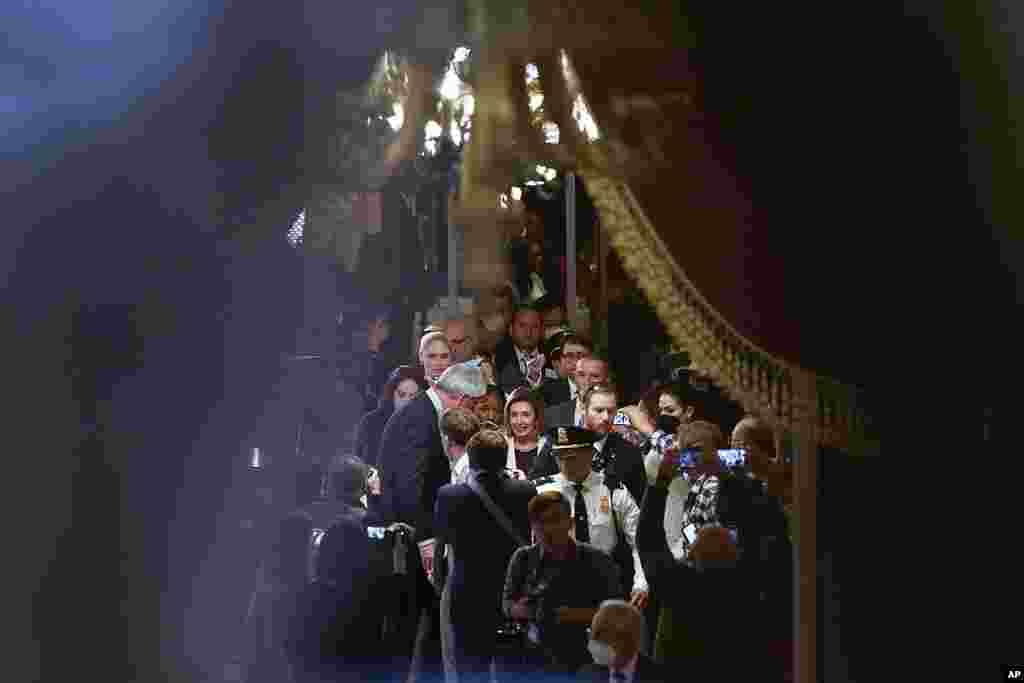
[534, 369]
[580, 515]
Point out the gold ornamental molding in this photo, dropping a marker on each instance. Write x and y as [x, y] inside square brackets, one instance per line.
[788, 396]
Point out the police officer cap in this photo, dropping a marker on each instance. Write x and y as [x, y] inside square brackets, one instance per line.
[565, 437]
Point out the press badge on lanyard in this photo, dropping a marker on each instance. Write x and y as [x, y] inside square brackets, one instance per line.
[604, 507]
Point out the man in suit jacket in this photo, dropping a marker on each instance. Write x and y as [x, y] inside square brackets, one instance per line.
[616, 635]
[413, 466]
[412, 460]
[589, 371]
[480, 550]
[518, 360]
[572, 348]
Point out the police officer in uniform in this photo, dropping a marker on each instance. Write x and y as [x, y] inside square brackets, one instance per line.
[604, 512]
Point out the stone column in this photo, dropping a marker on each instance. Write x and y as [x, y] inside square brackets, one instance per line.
[805, 547]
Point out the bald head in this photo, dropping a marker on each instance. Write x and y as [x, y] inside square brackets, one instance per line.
[620, 625]
[756, 436]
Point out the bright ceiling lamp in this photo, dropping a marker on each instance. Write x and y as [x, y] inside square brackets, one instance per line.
[551, 133]
[296, 229]
[432, 131]
[398, 118]
[451, 86]
[584, 119]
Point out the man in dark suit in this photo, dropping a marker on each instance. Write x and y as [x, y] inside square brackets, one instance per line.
[412, 460]
[413, 466]
[570, 350]
[612, 454]
[616, 635]
[480, 549]
[518, 360]
[589, 371]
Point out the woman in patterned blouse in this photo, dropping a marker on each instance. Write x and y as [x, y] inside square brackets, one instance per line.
[705, 610]
[700, 511]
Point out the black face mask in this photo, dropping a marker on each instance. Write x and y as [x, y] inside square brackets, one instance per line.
[667, 424]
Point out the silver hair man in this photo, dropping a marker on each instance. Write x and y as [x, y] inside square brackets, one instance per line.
[463, 380]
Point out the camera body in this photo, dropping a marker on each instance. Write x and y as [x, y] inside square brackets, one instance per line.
[511, 631]
[535, 598]
[381, 533]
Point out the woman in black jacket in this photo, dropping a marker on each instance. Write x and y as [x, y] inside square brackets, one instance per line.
[404, 384]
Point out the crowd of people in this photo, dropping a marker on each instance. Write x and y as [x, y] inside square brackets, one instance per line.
[507, 513]
[506, 516]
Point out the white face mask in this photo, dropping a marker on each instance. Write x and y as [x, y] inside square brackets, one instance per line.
[601, 652]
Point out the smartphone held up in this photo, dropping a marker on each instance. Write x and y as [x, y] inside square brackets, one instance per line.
[689, 459]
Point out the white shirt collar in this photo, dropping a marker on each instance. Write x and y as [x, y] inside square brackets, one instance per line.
[588, 483]
[599, 445]
[523, 355]
[436, 400]
[460, 469]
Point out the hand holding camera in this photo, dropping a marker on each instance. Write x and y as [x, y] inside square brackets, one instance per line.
[521, 609]
[669, 468]
[638, 418]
